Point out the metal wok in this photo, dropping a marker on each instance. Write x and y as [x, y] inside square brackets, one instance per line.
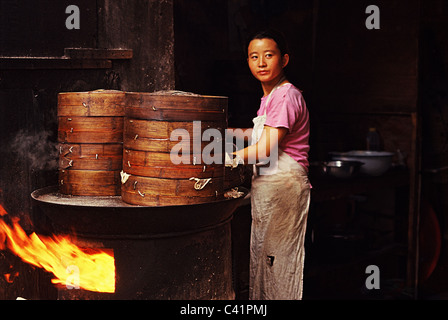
[104, 217]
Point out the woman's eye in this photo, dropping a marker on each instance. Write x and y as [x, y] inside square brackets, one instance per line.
[254, 57]
[268, 55]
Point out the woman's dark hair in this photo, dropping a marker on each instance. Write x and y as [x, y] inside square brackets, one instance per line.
[275, 35]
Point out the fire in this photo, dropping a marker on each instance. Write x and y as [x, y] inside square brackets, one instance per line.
[72, 266]
[10, 277]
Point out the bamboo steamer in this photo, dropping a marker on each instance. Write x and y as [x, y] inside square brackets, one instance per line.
[89, 182]
[160, 165]
[155, 136]
[175, 106]
[90, 129]
[98, 103]
[156, 125]
[91, 156]
[90, 135]
[141, 190]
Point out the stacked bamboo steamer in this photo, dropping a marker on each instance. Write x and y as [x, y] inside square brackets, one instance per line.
[106, 133]
[156, 126]
[90, 135]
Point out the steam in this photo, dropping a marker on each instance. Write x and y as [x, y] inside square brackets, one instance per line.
[37, 149]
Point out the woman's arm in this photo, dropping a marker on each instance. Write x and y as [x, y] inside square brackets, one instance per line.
[240, 134]
[270, 139]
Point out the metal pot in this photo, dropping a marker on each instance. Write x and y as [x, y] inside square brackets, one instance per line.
[110, 216]
[341, 169]
[376, 163]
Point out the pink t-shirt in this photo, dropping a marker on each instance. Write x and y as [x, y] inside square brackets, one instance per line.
[287, 108]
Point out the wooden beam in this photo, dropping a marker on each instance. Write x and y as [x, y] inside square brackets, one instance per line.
[48, 63]
[74, 58]
[90, 53]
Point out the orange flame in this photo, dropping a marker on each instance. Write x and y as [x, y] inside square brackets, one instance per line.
[10, 277]
[71, 265]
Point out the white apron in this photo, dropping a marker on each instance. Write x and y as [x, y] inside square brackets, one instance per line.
[280, 205]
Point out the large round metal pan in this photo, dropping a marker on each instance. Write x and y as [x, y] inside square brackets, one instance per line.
[109, 217]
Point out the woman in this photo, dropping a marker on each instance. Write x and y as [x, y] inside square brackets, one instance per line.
[280, 191]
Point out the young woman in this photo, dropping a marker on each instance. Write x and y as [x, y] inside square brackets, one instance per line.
[280, 191]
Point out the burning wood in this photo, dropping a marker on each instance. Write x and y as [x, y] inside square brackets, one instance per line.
[72, 266]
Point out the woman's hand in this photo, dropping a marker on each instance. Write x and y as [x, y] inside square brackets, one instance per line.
[268, 143]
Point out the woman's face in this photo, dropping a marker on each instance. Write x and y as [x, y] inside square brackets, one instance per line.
[265, 60]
